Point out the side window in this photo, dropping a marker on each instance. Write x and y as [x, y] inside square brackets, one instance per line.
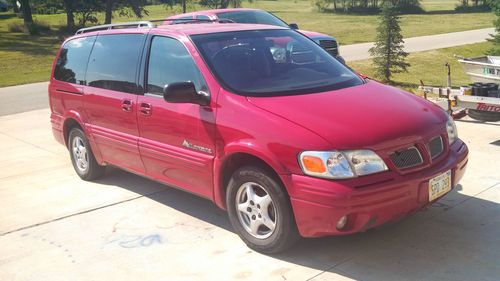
[202, 17]
[169, 62]
[72, 60]
[182, 20]
[113, 62]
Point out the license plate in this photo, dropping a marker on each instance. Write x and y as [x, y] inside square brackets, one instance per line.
[439, 185]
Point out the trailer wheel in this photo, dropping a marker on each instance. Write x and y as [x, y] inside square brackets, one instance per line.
[484, 115]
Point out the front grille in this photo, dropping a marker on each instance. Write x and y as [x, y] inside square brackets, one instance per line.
[330, 46]
[406, 158]
[435, 146]
[301, 55]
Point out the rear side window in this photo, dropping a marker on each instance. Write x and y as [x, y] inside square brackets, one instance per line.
[72, 61]
[170, 62]
[202, 17]
[113, 62]
[182, 20]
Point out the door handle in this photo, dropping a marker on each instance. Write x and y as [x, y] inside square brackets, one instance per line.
[127, 105]
[145, 108]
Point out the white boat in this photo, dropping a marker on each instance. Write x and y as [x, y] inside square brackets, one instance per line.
[485, 69]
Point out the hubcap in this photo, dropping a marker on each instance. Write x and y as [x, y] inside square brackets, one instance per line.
[256, 210]
[80, 154]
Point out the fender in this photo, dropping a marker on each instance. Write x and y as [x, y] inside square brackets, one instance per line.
[247, 147]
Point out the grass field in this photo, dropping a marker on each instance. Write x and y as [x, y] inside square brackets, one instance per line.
[26, 59]
[429, 66]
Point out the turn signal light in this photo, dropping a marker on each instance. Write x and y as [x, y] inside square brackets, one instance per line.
[313, 164]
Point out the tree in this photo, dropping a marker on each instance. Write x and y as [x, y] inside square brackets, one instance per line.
[70, 9]
[26, 9]
[125, 8]
[221, 4]
[388, 53]
[495, 50]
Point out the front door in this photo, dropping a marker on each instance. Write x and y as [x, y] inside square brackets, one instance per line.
[110, 98]
[176, 140]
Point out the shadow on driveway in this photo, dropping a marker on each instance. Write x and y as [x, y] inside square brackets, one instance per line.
[457, 238]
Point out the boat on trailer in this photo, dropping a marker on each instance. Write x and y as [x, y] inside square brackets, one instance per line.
[484, 69]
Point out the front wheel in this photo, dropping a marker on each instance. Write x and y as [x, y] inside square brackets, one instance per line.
[260, 211]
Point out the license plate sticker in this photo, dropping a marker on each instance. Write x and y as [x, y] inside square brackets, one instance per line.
[439, 185]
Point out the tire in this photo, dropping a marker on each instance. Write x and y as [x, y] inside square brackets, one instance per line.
[82, 158]
[484, 115]
[267, 206]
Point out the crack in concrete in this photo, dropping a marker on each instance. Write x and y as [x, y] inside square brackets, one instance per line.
[80, 213]
[333, 266]
[28, 143]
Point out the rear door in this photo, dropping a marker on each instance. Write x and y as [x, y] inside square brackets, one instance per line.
[176, 139]
[111, 98]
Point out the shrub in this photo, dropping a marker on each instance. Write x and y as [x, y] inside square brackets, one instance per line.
[38, 27]
[34, 28]
[473, 9]
[16, 27]
[321, 5]
[68, 30]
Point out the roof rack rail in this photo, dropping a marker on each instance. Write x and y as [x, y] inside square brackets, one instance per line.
[136, 24]
[148, 24]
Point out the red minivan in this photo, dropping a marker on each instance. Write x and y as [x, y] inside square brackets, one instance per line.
[257, 118]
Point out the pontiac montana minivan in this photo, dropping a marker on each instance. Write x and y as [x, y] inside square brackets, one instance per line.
[256, 118]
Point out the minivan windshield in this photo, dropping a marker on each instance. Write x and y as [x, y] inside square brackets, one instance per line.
[272, 63]
[250, 16]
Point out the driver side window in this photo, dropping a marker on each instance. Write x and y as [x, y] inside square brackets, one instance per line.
[170, 62]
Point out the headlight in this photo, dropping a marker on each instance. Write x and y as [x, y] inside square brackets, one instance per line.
[451, 129]
[340, 164]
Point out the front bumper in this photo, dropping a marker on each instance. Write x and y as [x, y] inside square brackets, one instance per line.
[318, 203]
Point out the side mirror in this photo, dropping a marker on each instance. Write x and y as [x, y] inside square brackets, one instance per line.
[293, 26]
[184, 92]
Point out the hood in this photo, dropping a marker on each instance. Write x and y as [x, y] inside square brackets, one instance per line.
[316, 35]
[371, 115]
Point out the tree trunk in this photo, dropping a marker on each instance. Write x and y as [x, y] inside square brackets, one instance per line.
[26, 9]
[183, 6]
[109, 11]
[70, 19]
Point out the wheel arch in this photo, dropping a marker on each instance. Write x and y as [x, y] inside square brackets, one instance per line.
[74, 120]
[69, 124]
[232, 162]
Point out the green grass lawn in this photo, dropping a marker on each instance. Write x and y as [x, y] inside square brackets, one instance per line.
[26, 59]
[429, 66]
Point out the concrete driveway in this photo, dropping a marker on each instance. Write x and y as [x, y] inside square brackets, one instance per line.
[54, 226]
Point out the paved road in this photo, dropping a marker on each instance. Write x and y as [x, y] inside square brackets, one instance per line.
[22, 98]
[423, 43]
[54, 226]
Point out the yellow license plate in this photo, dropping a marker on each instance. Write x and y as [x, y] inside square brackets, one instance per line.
[439, 185]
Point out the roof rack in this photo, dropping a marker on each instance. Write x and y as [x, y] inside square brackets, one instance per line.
[136, 24]
[148, 24]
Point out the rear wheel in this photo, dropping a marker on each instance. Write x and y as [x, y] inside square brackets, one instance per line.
[484, 115]
[260, 211]
[82, 158]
